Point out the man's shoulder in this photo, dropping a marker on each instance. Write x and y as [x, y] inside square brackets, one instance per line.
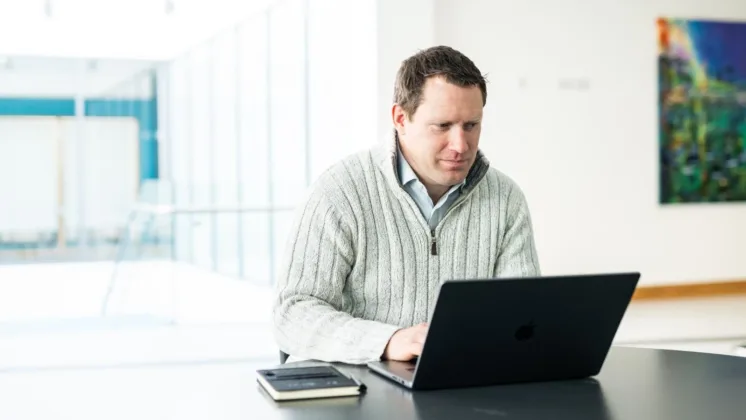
[504, 190]
[341, 179]
[502, 182]
[338, 187]
[349, 169]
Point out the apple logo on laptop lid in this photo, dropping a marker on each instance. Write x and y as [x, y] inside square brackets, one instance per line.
[525, 332]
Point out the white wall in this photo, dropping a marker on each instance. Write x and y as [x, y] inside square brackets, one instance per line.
[47, 168]
[99, 177]
[341, 100]
[403, 28]
[101, 172]
[587, 158]
[28, 176]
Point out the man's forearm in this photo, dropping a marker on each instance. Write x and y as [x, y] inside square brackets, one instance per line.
[307, 327]
[309, 321]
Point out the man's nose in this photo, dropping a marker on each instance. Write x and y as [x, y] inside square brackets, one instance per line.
[457, 140]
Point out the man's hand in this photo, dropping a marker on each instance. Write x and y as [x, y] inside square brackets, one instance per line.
[406, 344]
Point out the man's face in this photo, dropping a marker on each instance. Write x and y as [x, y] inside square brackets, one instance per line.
[441, 139]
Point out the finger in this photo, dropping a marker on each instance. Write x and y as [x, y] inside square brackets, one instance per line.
[419, 337]
[415, 349]
[419, 328]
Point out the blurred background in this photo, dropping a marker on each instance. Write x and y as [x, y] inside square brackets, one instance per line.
[152, 154]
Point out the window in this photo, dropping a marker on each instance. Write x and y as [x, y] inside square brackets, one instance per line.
[287, 102]
[224, 157]
[266, 112]
[201, 148]
[180, 147]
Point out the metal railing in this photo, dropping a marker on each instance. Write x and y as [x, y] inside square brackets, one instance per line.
[151, 232]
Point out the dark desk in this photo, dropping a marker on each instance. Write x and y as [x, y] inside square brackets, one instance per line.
[639, 384]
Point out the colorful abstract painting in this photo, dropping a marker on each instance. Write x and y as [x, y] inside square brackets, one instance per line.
[702, 104]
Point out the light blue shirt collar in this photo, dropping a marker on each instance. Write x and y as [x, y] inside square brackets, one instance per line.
[433, 212]
[407, 175]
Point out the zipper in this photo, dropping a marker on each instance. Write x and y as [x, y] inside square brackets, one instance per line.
[433, 241]
[456, 204]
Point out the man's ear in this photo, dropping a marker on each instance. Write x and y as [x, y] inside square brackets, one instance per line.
[398, 115]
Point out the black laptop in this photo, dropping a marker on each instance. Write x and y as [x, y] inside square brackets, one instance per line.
[499, 331]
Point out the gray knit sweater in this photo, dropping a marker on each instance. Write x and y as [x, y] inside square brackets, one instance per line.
[362, 262]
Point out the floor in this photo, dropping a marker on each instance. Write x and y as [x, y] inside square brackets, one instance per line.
[712, 325]
[54, 316]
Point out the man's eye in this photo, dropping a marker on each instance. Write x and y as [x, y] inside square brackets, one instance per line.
[444, 126]
[469, 126]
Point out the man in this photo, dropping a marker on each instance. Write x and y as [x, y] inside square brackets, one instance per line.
[382, 229]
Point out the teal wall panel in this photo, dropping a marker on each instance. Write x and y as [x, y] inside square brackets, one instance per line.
[144, 110]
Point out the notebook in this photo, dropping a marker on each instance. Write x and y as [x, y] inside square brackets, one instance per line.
[296, 383]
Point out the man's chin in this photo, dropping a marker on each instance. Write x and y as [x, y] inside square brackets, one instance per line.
[453, 178]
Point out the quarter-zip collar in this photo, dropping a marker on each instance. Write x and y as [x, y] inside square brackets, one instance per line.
[387, 160]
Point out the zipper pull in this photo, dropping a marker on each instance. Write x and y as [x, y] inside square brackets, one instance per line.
[433, 244]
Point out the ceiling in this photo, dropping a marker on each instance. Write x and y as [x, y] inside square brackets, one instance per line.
[124, 29]
[66, 77]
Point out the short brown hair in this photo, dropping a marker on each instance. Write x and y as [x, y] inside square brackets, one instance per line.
[442, 61]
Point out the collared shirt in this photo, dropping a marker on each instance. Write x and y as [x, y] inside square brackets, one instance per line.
[433, 212]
